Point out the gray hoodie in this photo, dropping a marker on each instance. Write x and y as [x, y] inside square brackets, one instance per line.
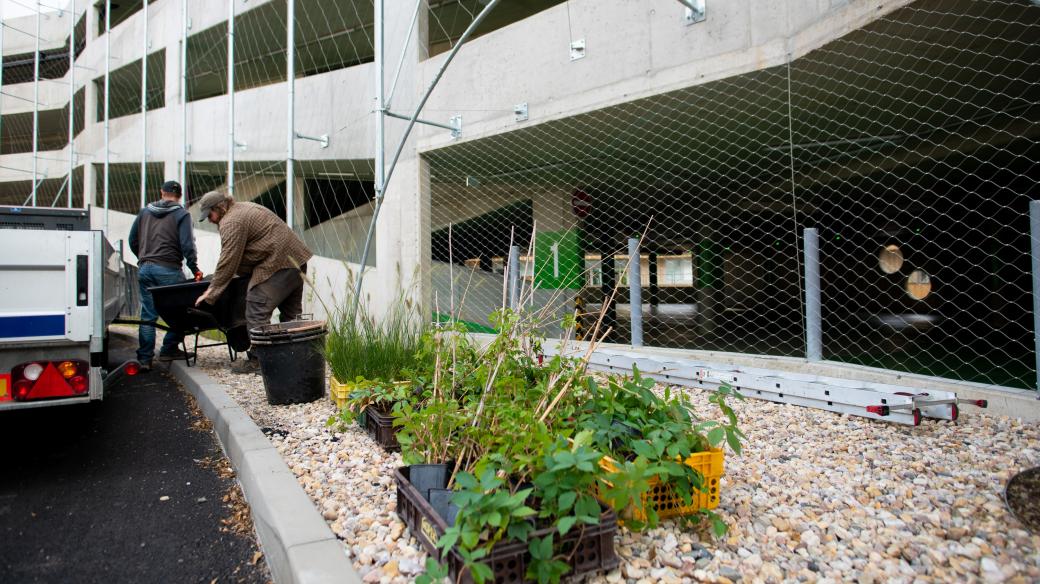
[162, 234]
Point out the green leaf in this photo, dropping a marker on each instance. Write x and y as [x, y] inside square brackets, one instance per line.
[566, 500]
[482, 573]
[566, 523]
[519, 497]
[716, 436]
[522, 512]
[719, 526]
[466, 480]
[734, 441]
[449, 539]
[583, 438]
[644, 449]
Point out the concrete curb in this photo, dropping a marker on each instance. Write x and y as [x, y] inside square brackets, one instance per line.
[299, 546]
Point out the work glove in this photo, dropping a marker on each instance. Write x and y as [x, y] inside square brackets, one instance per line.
[198, 276]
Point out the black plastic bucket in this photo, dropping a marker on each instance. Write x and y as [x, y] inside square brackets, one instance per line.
[291, 361]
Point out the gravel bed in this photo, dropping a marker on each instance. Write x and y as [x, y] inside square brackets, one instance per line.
[816, 497]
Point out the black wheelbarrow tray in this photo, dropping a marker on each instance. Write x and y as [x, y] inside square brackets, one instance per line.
[175, 304]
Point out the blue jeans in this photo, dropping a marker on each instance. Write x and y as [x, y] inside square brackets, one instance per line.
[150, 275]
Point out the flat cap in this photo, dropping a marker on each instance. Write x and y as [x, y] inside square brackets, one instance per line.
[208, 201]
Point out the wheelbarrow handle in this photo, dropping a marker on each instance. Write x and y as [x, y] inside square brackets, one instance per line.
[139, 322]
[203, 314]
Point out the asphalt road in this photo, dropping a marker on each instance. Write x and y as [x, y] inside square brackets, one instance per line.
[125, 490]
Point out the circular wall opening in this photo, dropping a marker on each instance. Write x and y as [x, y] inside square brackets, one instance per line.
[890, 259]
[918, 285]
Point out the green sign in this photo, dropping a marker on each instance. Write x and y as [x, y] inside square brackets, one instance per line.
[709, 265]
[558, 260]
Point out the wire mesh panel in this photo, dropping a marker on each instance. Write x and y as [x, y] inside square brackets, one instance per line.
[914, 142]
[909, 143]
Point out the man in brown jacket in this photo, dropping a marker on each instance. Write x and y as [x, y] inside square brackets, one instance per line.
[255, 242]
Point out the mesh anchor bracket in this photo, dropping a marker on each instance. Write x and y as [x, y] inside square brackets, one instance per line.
[695, 11]
[577, 49]
[454, 124]
[323, 139]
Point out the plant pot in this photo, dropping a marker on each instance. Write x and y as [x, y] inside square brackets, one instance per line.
[429, 476]
[588, 549]
[291, 363]
[440, 500]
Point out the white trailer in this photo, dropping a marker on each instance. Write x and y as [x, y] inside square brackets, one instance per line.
[61, 286]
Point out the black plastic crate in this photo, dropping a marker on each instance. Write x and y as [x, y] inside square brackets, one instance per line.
[380, 425]
[588, 549]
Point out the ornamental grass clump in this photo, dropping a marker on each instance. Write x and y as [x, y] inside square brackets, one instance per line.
[362, 347]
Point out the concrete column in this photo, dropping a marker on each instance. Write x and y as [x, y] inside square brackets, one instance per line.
[171, 170]
[91, 14]
[172, 89]
[402, 237]
[90, 174]
[423, 220]
[299, 201]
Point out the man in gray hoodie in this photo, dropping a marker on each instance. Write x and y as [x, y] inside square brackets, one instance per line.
[161, 238]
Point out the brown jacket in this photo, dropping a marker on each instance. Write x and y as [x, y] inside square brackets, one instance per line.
[253, 240]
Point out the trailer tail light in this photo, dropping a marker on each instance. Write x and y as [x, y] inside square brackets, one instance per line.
[50, 379]
[67, 369]
[32, 371]
[21, 389]
[79, 384]
[132, 368]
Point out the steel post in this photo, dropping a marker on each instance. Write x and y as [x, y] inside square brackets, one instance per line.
[72, 98]
[514, 277]
[36, 108]
[231, 97]
[813, 322]
[108, 96]
[290, 64]
[635, 292]
[144, 106]
[184, 97]
[1034, 252]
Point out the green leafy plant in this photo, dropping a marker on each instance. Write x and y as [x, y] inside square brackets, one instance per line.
[365, 392]
[429, 432]
[649, 437]
[528, 436]
[488, 512]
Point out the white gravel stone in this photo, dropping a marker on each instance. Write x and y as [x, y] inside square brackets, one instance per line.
[815, 497]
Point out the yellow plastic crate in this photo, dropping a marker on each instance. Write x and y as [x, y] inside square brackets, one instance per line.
[666, 501]
[339, 392]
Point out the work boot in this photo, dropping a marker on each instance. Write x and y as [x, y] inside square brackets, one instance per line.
[173, 355]
[146, 366]
[245, 366]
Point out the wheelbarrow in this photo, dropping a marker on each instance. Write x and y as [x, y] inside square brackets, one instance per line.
[175, 304]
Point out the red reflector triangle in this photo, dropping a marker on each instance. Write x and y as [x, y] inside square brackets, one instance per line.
[50, 384]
